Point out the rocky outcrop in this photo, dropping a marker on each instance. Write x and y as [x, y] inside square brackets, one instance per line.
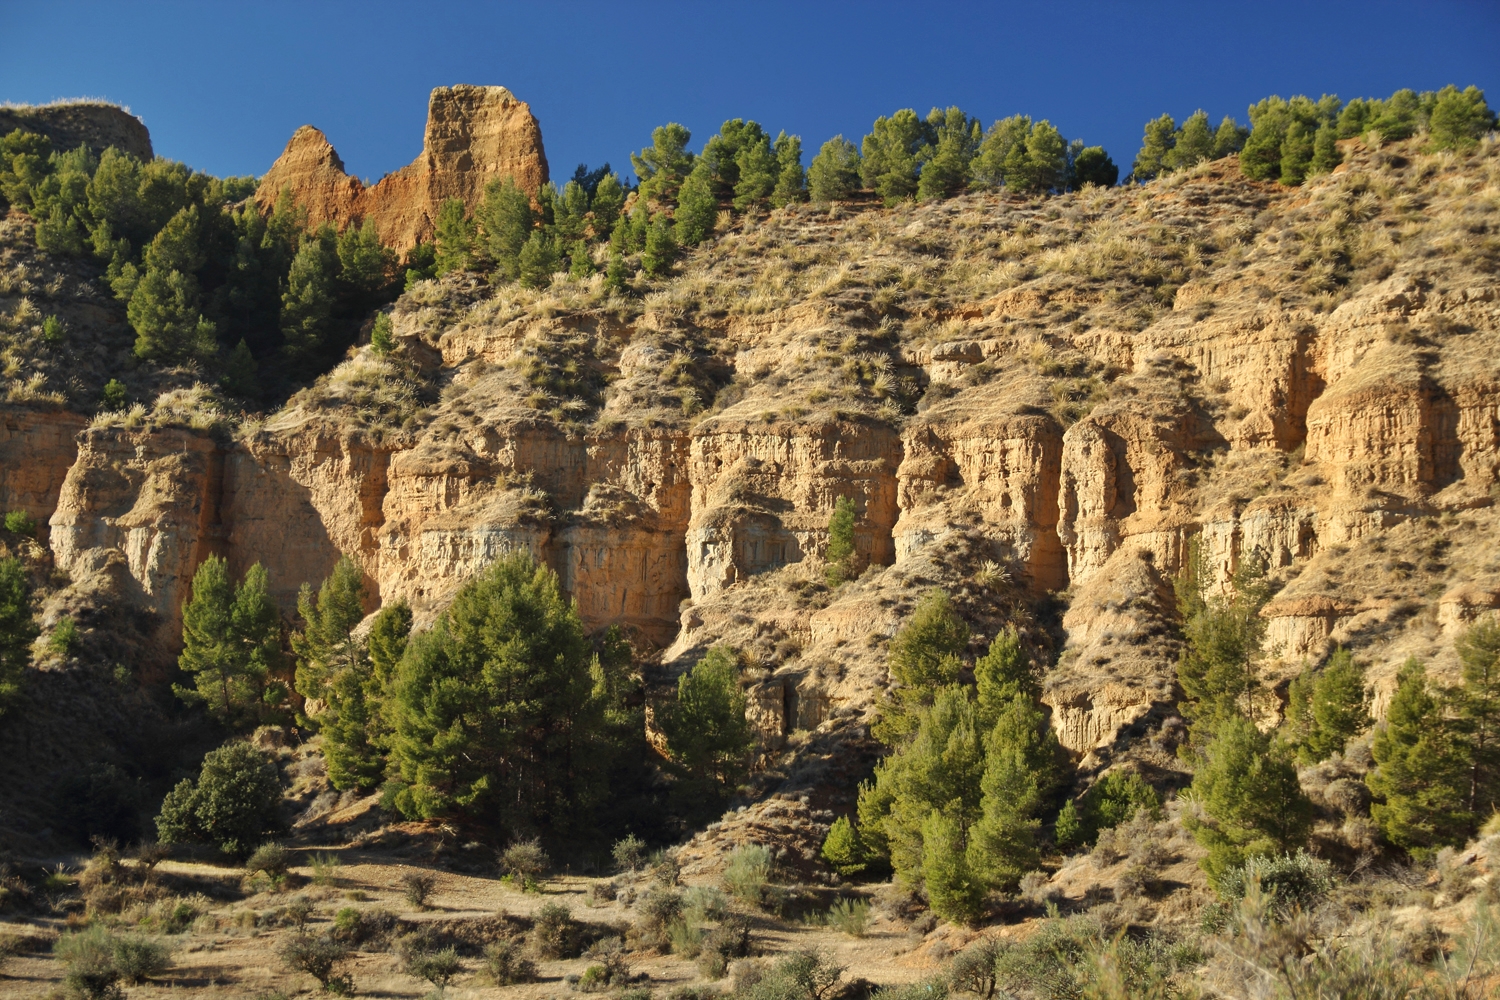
[474, 135]
[70, 124]
[37, 448]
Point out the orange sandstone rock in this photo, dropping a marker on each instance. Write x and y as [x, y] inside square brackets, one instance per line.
[474, 135]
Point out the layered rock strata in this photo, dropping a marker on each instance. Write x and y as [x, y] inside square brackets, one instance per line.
[474, 135]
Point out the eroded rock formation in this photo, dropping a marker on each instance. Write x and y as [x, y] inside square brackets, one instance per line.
[474, 135]
[70, 124]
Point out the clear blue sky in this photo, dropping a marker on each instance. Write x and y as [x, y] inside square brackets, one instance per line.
[223, 85]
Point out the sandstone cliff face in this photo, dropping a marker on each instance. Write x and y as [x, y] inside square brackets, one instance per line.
[1016, 436]
[474, 135]
[70, 124]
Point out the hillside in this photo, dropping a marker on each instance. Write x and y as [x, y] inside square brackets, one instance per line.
[1043, 405]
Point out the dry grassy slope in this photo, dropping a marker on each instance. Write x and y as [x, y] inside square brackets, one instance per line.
[1067, 387]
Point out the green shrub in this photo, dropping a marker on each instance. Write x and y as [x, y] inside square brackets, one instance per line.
[747, 873]
[833, 174]
[525, 862]
[1114, 799]
[504, 964]
[64, 637]
[319, 957]
[722, 945]
[804, 975]
[629, 854]
[416, 887]
[554, 932]
[685, 938]
[851, 916]
[973, 969]
[437, 967]
[141, 958]
[18, 522]
[234, 803]
[839, 555]
[381, 341]
[1295, 880]
[705, 904]
[842, 848]
[271, 859]
[88, 959]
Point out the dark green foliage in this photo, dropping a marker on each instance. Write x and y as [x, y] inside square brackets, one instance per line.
[1025, 157]
[1477, 710]
[580, 262]
[233, 804]
[1326, 153]
[843, 849]
[889, 162]
[803, 975]
[660, 247]
[101, 801]
[629, 853]
[607, 201]
[1156, 147]
[538, 261]
[17, 629]
[924, 657]
[231, 644]
[758, 170]
[115, 396]
[381, 341]
[1420, 781]
[839, 555]
[271, 860]
[1001, 674]
[1459, 118]
[1092, 165]
[1229, 138]
[953, 143]
[18, 522]
[500, 711]
[419, 265]
[1217, 671]
[365, 265]
[455, 237]
[834, 173]
[1281, 142]
[1246, 786]
[696, 208]
[616, 274]
[437, 967]
[307, 304]
[240, 371]
[334, 667]
[1326, 708]
[663, 165]
[707, 734]
[164, 311]
[1114, 799]
[506, 223]
[1192, 143]
[791, 179]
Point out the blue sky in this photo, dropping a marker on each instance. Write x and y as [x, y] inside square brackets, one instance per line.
[223, 85]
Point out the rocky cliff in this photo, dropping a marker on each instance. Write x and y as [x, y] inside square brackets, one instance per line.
[474, 135]
[70, 124]
[1034, 404]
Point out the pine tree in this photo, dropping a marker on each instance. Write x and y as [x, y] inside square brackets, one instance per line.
[231, 643]
[1039, 165]
[570, 214]
[954, 890]
[1477, 711]
[382, 342]
[389, 632]
[663, 165]
[1156, 149]
[758, 171]
[1326, 153]
[707, 734]
[496, 712]
[660, 249]
[580, 262]
[791, 179]
[453, 237]
[834, 173]
[839, 556]
[307, 303]
[365, 265]
[1459, 119]
[1217, 671]
[996, 150]
[616, 274]
[923, 658]
[17, 628]
[1251, 803]
[1229, 138]
[1398, 116]
[326, 646]
[1296, 153]
[608, 200]
[888, 161]
[164, 311]
[1327, 708]
[696, 208]
[1192, 143]
[1001, 674]
[946, 160]
[1422, 778]
[240, 372]
[1022, 770]
[538, 260]
[842, 848]
[1092, 165]
[506, 222]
